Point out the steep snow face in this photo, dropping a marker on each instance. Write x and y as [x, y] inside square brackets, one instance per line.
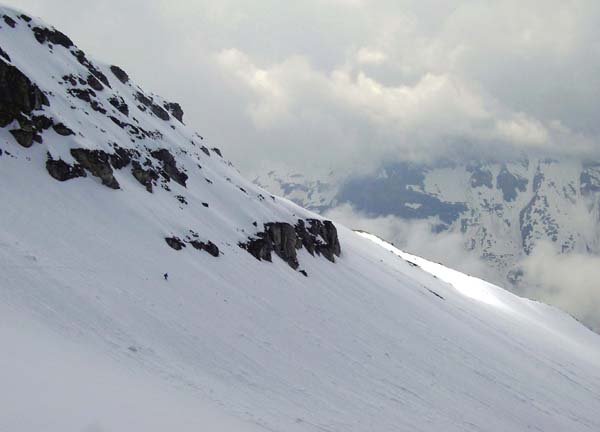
[503, 209]
[96, 339]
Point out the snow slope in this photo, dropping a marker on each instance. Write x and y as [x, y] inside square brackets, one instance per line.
[96, 340]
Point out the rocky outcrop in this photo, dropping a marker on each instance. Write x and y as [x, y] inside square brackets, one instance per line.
[83, 60]
[193, 239]
[4, 55]
[55, 37]
[175, 110]
[147, 102]
[62, 130]
[175, 243]
[62, 171]
[315, 235]
[119, 104]
[9, 21]
[18, 95]
[97, 162]
[24, 136]
[209, 247]
[319, 237]
[120, 74]
[169, 166]
[146, 177]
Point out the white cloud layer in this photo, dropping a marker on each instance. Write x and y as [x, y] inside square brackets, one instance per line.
[331, 83]
[568, 281]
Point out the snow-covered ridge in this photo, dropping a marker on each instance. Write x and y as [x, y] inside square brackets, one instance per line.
[95, 339]
[90, 120]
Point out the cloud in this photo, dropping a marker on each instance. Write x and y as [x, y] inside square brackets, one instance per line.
[370, 56]
[418, 238]
[569, 281]
[354, 81]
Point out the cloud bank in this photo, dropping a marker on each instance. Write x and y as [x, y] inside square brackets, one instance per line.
[324, 84]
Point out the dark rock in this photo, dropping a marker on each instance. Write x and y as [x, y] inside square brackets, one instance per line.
[41, 122]
[97, 162]
[63, 130]
[97, 106]
[205, 204]
[4, 55]
[85, 95]
[260, 247]
[319, 237]
[25, 18]
[510, 184]
[23, 137]
[53, 36]
[82, 59]
[303, 272]
[9, 21]
[480, 176]
[94, 83]
[285, 242]
[62, 171]
[175, 110]
[145, 176]
[18, 95]
[149, 103]
[326, 230]
[160, 112]
[120, 104]
[278, 237]
[121, 157]
[169, 166]
[284, 239]
[117, 122]
[143, 99]
[71, 79]
[209, 247]
[30, 128]
[89, 96]
[175, 243]
[217, 151]
[205, 150]
[120, 74]
[181, 199]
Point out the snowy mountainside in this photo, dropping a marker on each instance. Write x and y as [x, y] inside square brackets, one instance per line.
[503, 209]
[339, 332]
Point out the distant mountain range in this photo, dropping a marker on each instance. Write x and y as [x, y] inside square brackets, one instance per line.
[503, 209]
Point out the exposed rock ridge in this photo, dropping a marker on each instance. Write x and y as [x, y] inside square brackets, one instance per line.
[315, 235]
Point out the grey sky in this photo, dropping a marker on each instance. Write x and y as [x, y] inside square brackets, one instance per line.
[344, 83]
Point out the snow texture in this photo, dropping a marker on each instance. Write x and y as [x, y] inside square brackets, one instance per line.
[94, 339]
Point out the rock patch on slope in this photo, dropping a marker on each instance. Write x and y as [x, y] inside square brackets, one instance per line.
[284, 239]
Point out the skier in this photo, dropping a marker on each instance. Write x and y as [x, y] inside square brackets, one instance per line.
[166, 276]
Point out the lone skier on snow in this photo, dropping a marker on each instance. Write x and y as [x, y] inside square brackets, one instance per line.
[166, 276]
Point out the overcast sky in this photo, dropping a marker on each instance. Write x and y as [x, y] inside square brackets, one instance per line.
[315, 84]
